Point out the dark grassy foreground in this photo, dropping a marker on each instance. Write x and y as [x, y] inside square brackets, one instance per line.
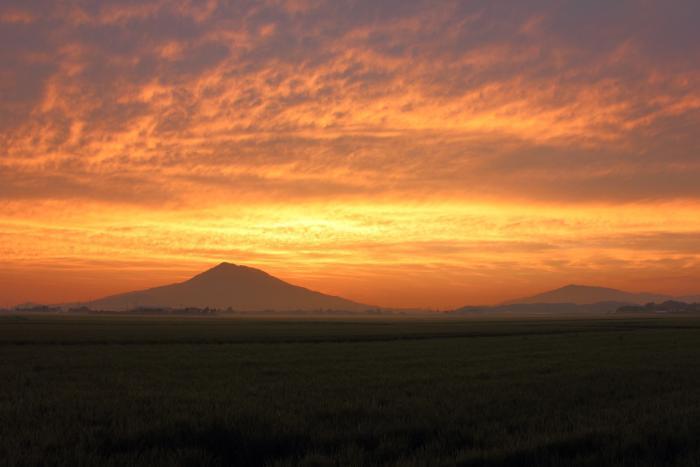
[174, 391]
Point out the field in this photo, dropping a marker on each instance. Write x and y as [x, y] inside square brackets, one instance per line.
[92, 390]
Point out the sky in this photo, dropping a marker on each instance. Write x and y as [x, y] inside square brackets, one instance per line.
[398, 152]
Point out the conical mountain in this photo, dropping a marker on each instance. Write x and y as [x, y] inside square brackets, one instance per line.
[229, 286]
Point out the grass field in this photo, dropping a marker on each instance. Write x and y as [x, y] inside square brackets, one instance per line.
[110, 390]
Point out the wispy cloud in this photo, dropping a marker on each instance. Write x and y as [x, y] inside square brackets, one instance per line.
[160, 108]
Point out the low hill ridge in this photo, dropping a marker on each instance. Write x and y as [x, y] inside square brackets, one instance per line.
[588, 295]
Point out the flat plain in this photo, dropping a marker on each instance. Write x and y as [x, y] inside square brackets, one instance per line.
[125, 390]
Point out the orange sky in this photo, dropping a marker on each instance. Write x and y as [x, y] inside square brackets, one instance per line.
[394, 153]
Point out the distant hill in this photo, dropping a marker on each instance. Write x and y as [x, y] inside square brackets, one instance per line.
[572, 299]
[228, 286]
[588, 295]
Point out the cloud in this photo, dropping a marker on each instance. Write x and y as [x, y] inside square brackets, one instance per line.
[167, 106]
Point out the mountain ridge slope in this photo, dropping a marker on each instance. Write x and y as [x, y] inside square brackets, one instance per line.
[224, 286]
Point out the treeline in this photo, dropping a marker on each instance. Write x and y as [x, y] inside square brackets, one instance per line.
[133, 311]
[38, 308]
[670, 306]
[194, 311]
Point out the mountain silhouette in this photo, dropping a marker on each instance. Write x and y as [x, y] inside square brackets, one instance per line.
[226, 286]
[588, 295]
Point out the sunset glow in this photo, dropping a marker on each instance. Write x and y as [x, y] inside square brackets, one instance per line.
[394, 153]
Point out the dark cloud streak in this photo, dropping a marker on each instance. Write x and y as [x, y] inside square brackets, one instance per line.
[606, 93]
